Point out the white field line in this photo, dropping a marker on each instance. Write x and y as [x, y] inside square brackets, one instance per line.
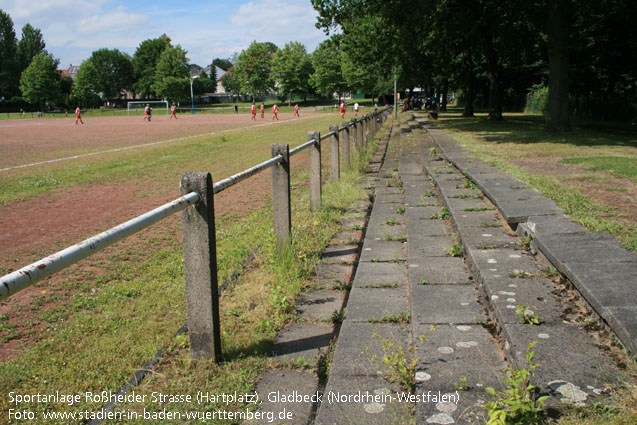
[179, 139]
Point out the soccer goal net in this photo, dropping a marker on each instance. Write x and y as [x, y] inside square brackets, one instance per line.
[139, 106]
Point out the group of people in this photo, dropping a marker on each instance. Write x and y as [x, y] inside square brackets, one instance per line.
[275, 111]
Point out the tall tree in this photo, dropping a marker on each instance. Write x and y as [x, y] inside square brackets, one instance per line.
[40, 82]
[86, 84]
[113, 72]
[328, 74]
[29, 45]
[145, 62]
[292, 68]
[172, 76]
[230, 82]
[557, 118]
[253, 69]
[8, 48]
[224, 64]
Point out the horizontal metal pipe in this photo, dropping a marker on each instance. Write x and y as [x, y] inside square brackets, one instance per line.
[232, 180]
[328, 135]
[303, 146]
[26, 276]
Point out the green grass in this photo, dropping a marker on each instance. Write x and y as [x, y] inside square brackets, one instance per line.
[520, 139]
[112, 323]
[618, 166]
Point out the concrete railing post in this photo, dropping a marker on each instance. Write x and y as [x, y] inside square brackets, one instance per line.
[315, 171]
[335, 166]
[200, 262]
[345, 145]
[281, 205]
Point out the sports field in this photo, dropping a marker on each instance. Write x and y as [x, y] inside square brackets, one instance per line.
[61, 183]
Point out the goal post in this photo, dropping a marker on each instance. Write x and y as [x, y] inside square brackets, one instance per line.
[140, 104]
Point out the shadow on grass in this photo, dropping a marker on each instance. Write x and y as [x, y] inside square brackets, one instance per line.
[526, 129]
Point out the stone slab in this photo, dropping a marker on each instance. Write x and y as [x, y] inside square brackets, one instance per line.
[318, 305]
[475, 218]
[426, 227]
[434, 304]
[359, 349]
[307, 340]
[463, 407]
[536, 293]
[429, 246]
[623, 320]
[286, 382]
[441, 270]
[330, 275]
[380, 273]
[519, 211]
[499, 263]
[552, 224]
[382, 251]
[368, 410]
[447, 353]
[369, 303]
[580, 248]
[479, 238]
[347, 237]
[564, 352]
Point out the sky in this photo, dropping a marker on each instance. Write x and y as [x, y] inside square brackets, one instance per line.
[207, 29]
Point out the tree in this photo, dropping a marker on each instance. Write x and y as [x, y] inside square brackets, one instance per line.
[230, 82]
[8, 48]
[558, 33]
[328, 75]
[224, 64]
[85, 89]
[29, 46]
[172, 75]
[145, 64]
[112, 72]
[204, 84]
[253, 69]
[40, 82]
[292, 68]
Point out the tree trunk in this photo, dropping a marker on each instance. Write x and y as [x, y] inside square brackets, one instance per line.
[557, 118]
[470, 81]
[481, 14]
[445, 90]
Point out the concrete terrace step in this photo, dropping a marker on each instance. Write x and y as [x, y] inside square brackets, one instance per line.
[509, 276]
[600, 268]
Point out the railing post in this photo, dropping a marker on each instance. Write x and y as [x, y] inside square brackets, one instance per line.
[200, 262]
[365, 130]
[281, 211]
[359, 137]
[345, 145]
[353, 135]
[315, 170]
[335, 166]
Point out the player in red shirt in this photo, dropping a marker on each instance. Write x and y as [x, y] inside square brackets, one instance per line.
[262, 110]
[296, 110]
[254, 111]
[275, 112]
[342, 109]
[78, 116]
[173, 111]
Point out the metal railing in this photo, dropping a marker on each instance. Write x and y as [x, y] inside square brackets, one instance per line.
[198, 226]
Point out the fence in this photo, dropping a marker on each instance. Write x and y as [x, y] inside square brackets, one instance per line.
[198, 225]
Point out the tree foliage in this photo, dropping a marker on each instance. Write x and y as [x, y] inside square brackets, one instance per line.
[224, 64]
[8, 59]
[328, 73]
[111, 73]
[172, 75]
[253, 69]
[29, 45]
[292, 68]
[40, 82]
[145, 62]
[230, 82]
